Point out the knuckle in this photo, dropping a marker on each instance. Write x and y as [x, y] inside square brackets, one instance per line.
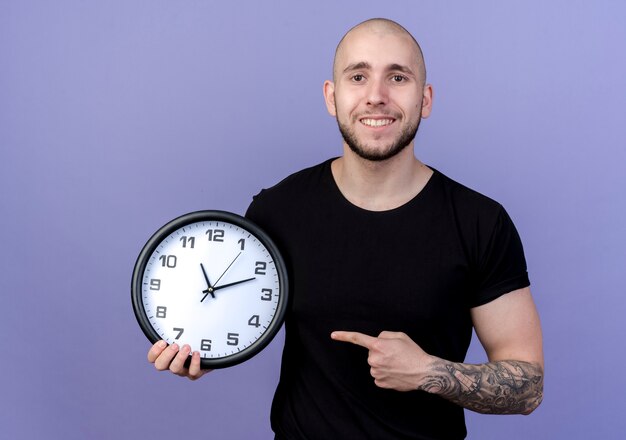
[378, 345]
[373, 361]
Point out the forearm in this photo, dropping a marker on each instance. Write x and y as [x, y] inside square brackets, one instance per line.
[501, 387]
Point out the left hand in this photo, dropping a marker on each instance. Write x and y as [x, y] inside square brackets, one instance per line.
[396, 362]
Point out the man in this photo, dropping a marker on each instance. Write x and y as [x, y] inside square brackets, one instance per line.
[399, 262]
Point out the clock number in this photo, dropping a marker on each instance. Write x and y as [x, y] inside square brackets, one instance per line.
[242, 243]
[233, 339]
[155, 284]
[168, 260]
[261, 266]
[205, 345]
[190, 240]
[161, 312]
[267, 294]
[215, 234]
[254, 321]
[180, 332]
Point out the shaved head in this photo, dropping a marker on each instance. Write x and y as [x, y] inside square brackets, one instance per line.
[382, 27]
[379, 93]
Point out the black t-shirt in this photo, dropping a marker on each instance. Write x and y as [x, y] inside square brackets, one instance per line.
[418, 269]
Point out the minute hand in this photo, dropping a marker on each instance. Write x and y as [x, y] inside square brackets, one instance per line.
[232, 284]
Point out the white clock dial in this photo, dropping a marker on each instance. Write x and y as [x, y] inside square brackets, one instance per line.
[213, 284]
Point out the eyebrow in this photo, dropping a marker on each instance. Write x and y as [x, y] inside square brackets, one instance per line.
[363, 65]
[357, 66]
[400, 68]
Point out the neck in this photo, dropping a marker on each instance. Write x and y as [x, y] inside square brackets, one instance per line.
[380, 186]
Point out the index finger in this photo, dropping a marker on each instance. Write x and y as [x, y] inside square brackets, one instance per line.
[354, 338]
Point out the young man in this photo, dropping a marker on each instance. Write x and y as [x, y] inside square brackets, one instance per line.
[391, 264]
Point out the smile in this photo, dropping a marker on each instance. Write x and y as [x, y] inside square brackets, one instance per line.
[376, 122]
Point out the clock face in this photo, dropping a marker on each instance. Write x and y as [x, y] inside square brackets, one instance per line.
[213, 280]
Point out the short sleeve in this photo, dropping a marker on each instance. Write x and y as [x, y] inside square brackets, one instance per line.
[501, 266]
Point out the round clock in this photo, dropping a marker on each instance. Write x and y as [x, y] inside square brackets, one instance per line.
[213, 280]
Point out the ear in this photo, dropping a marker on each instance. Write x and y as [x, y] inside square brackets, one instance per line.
[329, 97]
[427, 101]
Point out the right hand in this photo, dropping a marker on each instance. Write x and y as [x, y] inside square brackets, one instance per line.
[173, 358]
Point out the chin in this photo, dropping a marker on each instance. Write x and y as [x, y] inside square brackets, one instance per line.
[378, 154]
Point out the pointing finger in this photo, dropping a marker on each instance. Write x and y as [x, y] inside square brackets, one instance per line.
[355, 338]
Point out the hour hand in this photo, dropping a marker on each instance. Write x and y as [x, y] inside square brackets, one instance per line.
[232, 284]
[210, 288]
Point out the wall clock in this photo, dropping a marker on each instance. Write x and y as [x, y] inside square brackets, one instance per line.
[213, 280]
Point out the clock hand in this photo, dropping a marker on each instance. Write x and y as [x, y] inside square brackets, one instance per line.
[207, 292]
[210, 289]
[218, 280]
[231, 284]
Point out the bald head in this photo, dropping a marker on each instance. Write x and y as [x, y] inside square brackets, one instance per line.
[381, 27]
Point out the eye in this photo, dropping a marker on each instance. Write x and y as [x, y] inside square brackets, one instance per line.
[357, 78]
[398, 78]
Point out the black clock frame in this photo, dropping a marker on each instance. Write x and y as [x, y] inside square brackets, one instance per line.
[212, 215]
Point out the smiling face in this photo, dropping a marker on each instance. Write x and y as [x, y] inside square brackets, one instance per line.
[378, 94]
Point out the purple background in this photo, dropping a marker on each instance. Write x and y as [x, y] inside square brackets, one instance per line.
[116, 116]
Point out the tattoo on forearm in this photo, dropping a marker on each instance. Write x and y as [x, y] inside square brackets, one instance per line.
[504, 387]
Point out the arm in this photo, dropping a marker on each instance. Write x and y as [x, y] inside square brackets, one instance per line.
[510, 383]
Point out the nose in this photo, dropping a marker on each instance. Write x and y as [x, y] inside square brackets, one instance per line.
[377, 92]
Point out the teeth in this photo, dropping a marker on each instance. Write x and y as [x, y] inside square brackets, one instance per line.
[376, 122]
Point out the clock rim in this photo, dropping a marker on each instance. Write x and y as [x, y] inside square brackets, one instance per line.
[242, 222]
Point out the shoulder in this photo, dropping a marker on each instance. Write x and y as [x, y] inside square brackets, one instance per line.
[295, 187]
[293, 190]
[303, 180]
[489, 240]
[466, 201]
[479, 219]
